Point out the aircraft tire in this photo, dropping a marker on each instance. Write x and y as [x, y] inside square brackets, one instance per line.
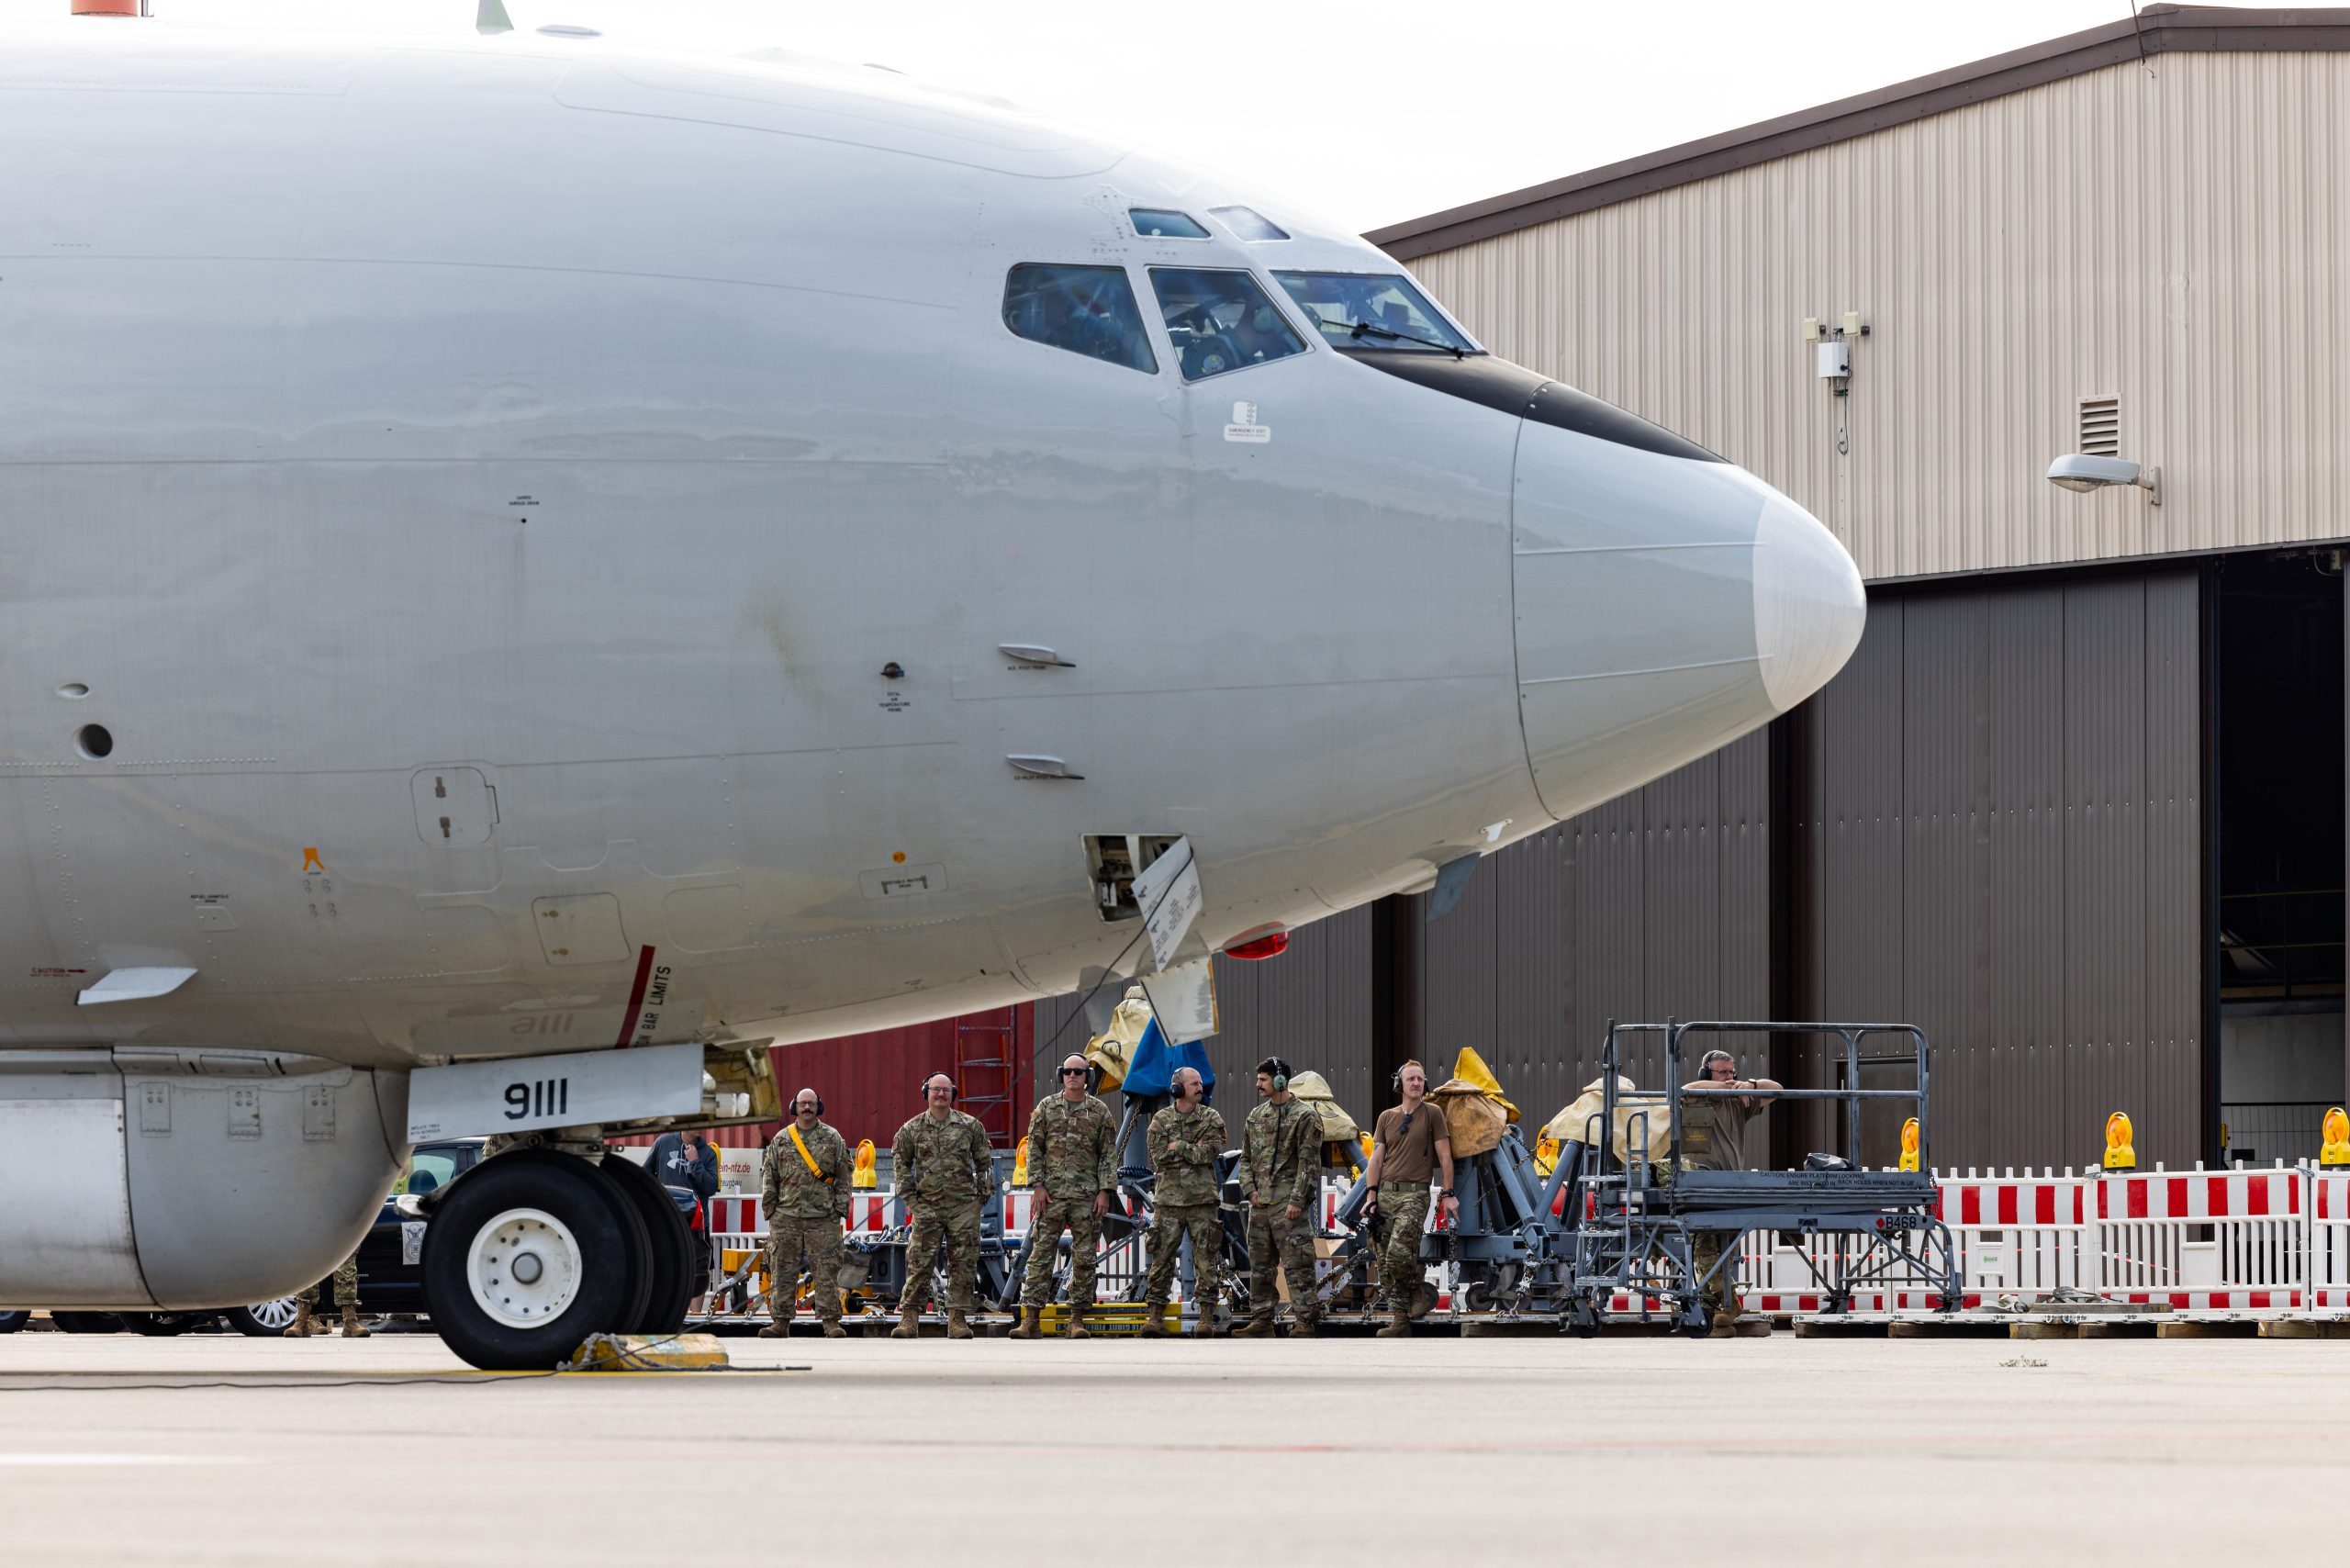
[669, 1273]
[636, 1285]
[553, 1209]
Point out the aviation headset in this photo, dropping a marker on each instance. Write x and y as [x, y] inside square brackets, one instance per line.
[819, 1101]
[1707, 1066]
[1395, 1079]
[954, 1089]
[1279, 1071]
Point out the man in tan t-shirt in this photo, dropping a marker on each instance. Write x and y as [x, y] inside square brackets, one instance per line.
[1713, 1138]
[1410, 1143]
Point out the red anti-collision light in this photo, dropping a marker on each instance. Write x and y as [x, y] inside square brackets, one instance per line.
[1271, 946]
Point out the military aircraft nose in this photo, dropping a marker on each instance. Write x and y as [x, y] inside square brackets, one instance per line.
[1666, 602]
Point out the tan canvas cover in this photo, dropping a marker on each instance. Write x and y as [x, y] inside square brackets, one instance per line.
[1579, 1122]
[1312, 1089]
[1475, 1110]
[1109, 1053]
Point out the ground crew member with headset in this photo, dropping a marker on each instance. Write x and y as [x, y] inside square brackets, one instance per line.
[1186, 1139]
[1073, 1164]
[804, 1193]
[1280, 1173]
[945, 1171]
[1410, 1143]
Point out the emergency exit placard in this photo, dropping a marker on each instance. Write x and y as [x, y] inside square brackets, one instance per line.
[526, 1093]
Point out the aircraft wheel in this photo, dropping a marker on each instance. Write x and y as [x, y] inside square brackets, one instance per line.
[669, 1267]
[12, 1321]
[528, 1255]
[161, 1324]
[263, 1319]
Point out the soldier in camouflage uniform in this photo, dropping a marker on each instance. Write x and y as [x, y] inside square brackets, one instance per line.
[804, 1197]
[1185, 1140]
[346, 1296]
[945, 1171]
[1073, 1164]
[1280, 1171]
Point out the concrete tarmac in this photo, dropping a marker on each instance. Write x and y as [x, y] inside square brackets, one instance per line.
[212, 1450]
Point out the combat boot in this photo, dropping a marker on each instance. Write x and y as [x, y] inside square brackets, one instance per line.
[1302, 1327]
[350, 1327]
[909, 1324]
[956, 1328]
[303, 1327]
[1026, 1327]
[779, 1328]
[1400, 1328]
[833, 1330]
[1255, 1329]
[1153, 1320]
[1077, 1330]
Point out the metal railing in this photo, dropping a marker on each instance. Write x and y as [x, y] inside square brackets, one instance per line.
[2259, 1131]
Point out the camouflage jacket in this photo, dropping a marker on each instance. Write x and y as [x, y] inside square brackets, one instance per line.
[1183, 1149]
[1281, 1148]
[1069, 1152]
[789, 1188]
[938, 1163]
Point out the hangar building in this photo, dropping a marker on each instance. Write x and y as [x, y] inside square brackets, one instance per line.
[2077, 804]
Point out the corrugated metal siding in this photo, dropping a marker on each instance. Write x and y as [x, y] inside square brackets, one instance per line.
[872, 1083]
[2171, 234]
[2000, 827]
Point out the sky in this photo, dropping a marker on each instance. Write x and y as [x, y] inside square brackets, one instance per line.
[1370, 111]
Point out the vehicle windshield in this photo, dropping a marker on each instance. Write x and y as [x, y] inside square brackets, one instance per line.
[427, 1170]
[1373, 311]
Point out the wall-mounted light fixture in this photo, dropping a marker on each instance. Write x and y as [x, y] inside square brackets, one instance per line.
[2079, 471]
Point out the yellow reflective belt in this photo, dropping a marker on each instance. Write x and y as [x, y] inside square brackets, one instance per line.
[806, 1158]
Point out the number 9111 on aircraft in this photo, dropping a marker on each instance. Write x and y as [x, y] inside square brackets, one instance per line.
[524, 549]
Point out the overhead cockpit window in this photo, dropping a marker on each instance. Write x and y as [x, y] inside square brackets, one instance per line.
[1221, 321]
[1087, 310]
[1152, 223]
[1249, 223]
[1370, 310]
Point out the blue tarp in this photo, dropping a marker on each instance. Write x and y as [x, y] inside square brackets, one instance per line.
[1150, 1072]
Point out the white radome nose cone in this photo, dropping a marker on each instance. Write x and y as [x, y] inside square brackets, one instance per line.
[1809, 607]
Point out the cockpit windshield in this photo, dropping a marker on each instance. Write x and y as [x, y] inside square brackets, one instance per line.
[1374, 310]
[1221, 321]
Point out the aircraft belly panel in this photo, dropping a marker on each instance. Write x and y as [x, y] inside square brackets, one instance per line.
[65, 1233]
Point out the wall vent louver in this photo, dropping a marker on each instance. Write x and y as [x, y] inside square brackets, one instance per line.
[2100, 430]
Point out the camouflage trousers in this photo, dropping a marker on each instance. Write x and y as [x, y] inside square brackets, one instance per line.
[958, 1224]
[346, 1283]
[1052, 1217]
[790, 1239]
[1169, 1224]
[1405, 1206]
[1277, 1240]
[1719, 1293]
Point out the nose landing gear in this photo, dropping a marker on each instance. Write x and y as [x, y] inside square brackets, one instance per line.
[529, 1253]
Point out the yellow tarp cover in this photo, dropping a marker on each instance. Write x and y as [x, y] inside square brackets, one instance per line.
[1313, 1090]
[1579, 1120]
[1475, 1109]
[1109, 1053]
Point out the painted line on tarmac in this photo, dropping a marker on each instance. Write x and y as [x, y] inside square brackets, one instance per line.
[65, 1460]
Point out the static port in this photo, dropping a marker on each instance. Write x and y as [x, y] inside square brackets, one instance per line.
[94, 741]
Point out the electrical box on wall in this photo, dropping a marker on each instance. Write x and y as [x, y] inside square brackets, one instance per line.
[1835, 358]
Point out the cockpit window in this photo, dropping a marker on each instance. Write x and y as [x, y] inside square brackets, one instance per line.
[1221, 321]
[1154, 223]
[1367, 311]
[1249, 223]
[1087, 310]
